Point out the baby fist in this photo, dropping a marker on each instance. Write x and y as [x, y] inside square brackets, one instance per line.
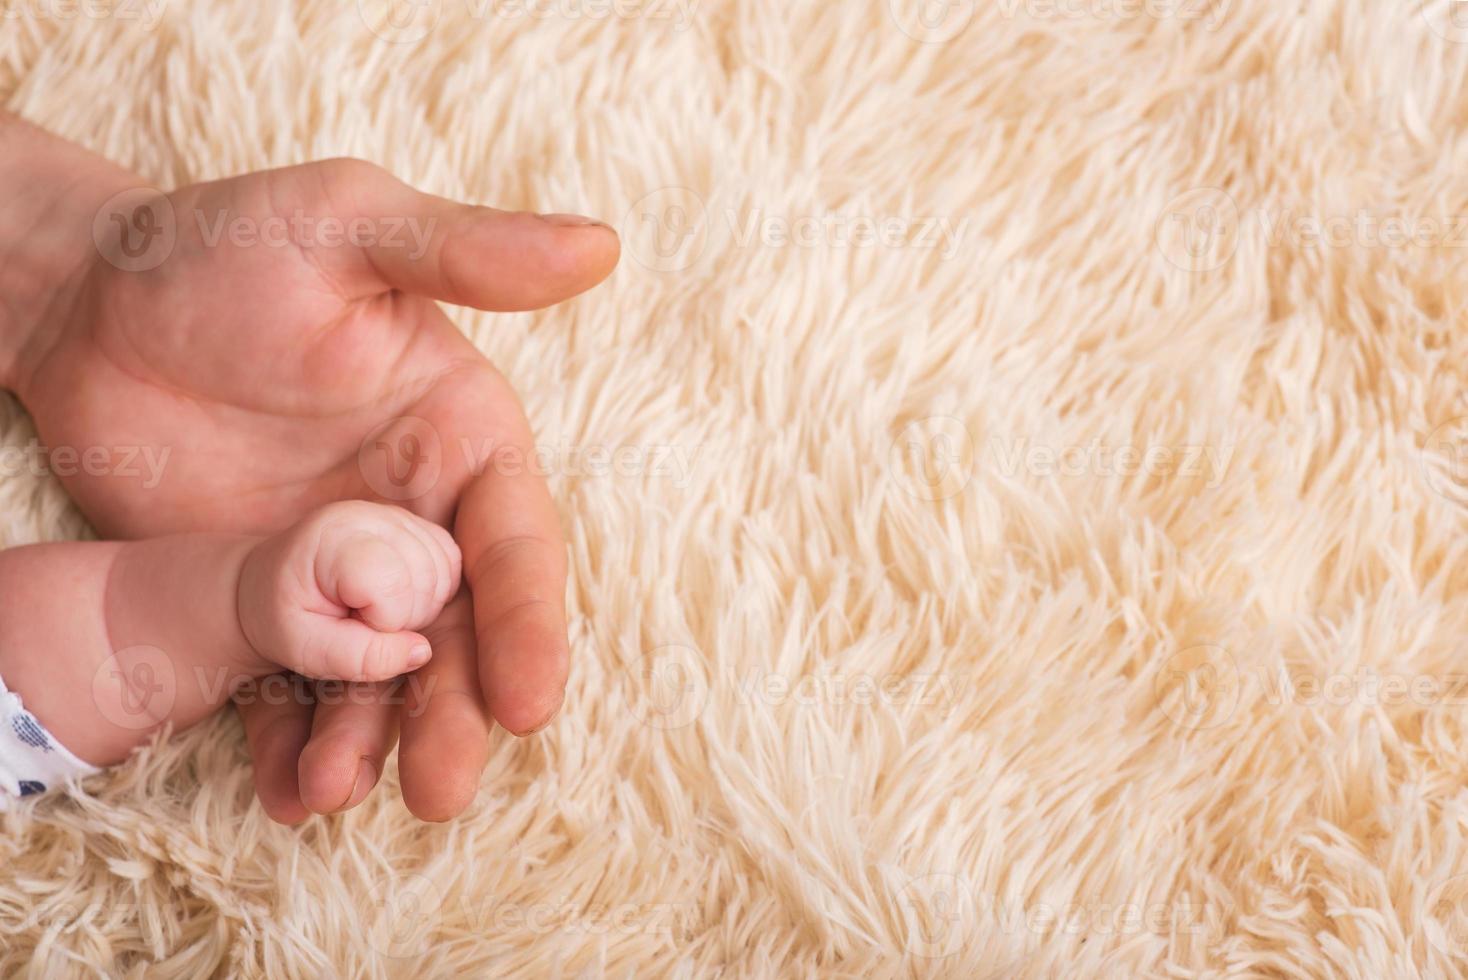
[341, 595]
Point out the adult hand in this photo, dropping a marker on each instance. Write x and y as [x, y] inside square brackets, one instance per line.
[276, 336]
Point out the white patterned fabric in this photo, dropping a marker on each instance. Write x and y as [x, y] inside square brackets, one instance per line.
[31, 760]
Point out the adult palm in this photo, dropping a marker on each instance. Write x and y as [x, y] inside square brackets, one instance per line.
[273, 343]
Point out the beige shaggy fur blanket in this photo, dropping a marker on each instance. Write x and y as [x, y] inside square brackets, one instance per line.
[1016, 490]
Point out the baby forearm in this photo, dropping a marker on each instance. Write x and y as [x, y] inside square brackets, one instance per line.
[106, 642]
[181, 594]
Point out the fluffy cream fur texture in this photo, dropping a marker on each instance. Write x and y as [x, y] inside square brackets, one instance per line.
[1024, 546]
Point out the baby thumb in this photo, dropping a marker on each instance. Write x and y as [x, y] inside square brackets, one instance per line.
[350, 650]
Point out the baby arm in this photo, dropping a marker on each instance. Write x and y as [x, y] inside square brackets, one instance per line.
[339, 596]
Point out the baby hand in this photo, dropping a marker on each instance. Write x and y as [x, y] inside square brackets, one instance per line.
[341, 595]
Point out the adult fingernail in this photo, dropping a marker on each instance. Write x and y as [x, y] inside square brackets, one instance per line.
[542, 726]
[571, 220]
[419, 656]
[366, 779]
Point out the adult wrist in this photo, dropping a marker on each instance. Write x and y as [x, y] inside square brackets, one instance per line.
[50, 193]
